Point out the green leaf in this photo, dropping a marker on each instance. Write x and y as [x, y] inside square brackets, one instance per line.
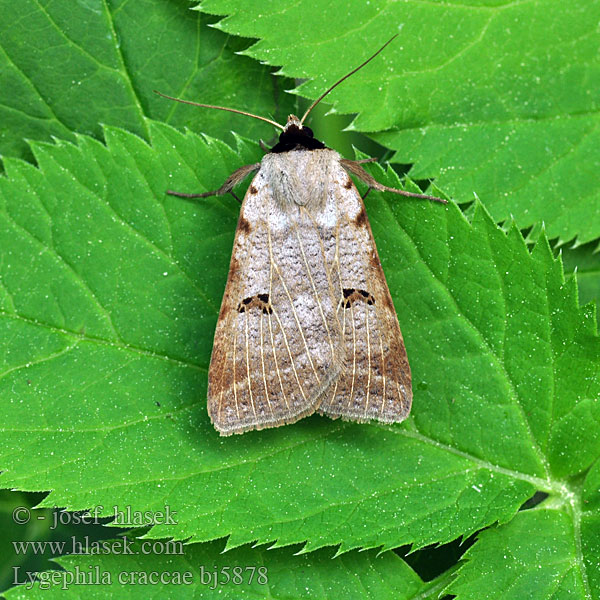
[535, 556]
[203, 571]
[492, 98]
[69, 67]
[110, 292]
[585, 261]
[109, 289]
[590, 528]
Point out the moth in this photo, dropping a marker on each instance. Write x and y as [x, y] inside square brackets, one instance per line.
[307, 323]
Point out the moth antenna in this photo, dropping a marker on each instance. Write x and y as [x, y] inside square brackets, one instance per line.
[233, 110]
[343, 78]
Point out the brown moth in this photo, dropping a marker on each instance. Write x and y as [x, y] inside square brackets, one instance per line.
[307, 323]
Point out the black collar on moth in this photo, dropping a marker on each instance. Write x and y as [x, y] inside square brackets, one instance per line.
[295, 136]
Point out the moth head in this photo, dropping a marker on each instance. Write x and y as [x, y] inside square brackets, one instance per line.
[296, 136]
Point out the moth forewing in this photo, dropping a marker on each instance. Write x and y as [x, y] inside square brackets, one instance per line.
[376, 380]
[278, 344]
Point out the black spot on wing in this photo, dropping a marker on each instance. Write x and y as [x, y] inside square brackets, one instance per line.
[260, 301]
[352, 295]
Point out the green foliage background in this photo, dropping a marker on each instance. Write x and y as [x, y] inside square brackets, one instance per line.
[109, 293]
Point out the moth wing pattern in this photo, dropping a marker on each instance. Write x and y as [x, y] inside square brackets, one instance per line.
[376, 381]
[277, 341]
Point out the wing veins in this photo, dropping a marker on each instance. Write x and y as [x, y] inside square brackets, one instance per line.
[219, 412]
[312, 283]
[290, 354]
[368, 361]
[353, 355]
[248, 369]
[237, 408]
[277, 366]
[262, 360]
[273, 339]
[294, 312]
[381, 410]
